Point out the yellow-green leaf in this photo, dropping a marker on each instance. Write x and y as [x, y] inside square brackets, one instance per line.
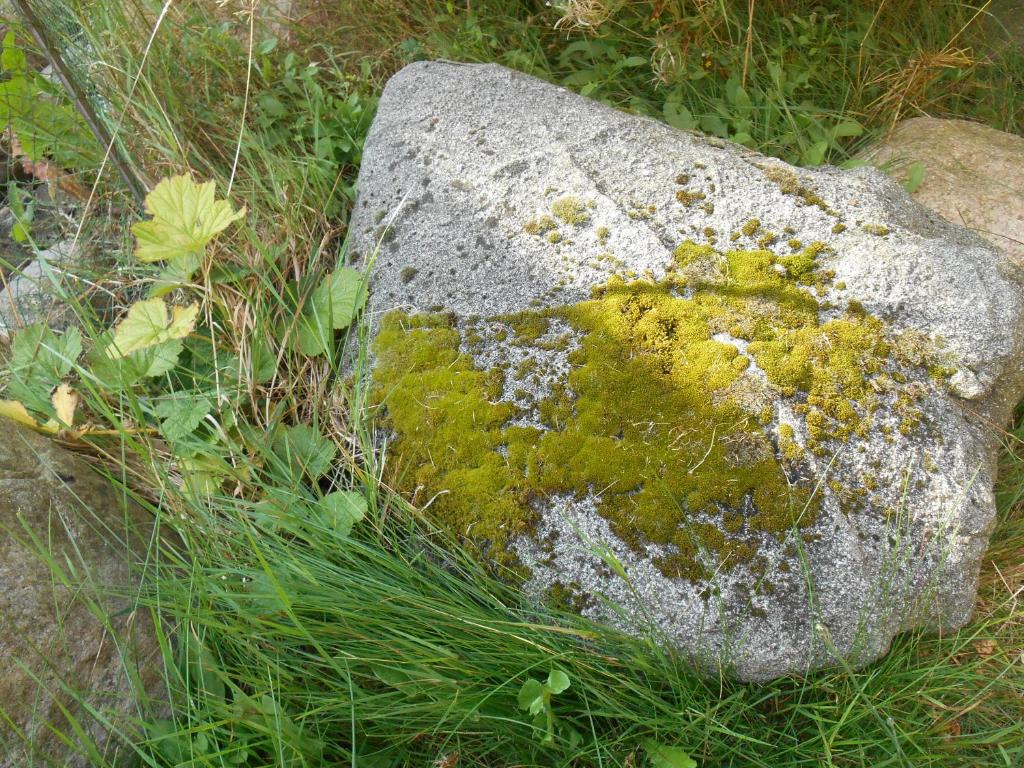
[15, 411]
[147, 324]
[186, 216]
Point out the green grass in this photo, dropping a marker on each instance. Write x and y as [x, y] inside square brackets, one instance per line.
[289, 644]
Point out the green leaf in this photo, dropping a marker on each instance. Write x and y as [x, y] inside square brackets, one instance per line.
[305, 451]
[745, 139]
[331, 306]
[148, 324]
[815, 155]
[848, 128]
[203, 475]
[343, 509]
[343, 293]
[21, 231]
[531, 696]
[38, 352]
[678, 116]
[159, 359]
[632, 61]
[263, 361]
[12, 60]
[662, 756]
[40, 359]
[714, 124]
[186, 216]
[203, 670]
[170, 742]
[181, 414]
[915, 177]
[558, 681]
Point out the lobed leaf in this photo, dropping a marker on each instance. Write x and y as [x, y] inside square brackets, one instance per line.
[186, 216]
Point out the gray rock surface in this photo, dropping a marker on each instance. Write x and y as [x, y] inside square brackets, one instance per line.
[50, 638]
[485, 192]
[973, 174]
[31, 294]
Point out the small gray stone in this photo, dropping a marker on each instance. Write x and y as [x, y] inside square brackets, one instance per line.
[49, 636]
[485, 194]
[31, 295]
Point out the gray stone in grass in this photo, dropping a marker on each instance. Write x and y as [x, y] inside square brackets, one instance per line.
[54, 650]
[461, 167]
[31, 293]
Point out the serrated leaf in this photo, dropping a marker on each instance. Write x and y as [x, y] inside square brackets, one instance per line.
[203, 475]
[13, 58]
[147, 324]
[343, 509]
[663, 756]
[181, 414]
[186, 216]
[38, 352]
[558, 681]
[40, 359]
[161, 358]
[305, 451]
[65, 402]
[263, 361]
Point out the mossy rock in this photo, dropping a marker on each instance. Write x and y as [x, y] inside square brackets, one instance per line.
[775, 447]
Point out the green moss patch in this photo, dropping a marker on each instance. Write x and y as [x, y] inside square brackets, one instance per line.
[668, 415]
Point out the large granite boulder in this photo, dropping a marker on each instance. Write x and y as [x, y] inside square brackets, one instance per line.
[755, 408]
[973, 175]
[66, 636]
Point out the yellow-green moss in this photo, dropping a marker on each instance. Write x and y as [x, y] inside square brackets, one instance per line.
[570, 209]
[750, 228]
[603, 234]
[877, 230]
[788, 446]
[688, 198]
[657, 416]
[540, 225]
[639, 212]
[838, 228]
[789, 184]
[554, 237]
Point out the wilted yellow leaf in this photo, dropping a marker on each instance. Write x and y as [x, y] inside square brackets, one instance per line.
[65, 401]
[15, 411]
